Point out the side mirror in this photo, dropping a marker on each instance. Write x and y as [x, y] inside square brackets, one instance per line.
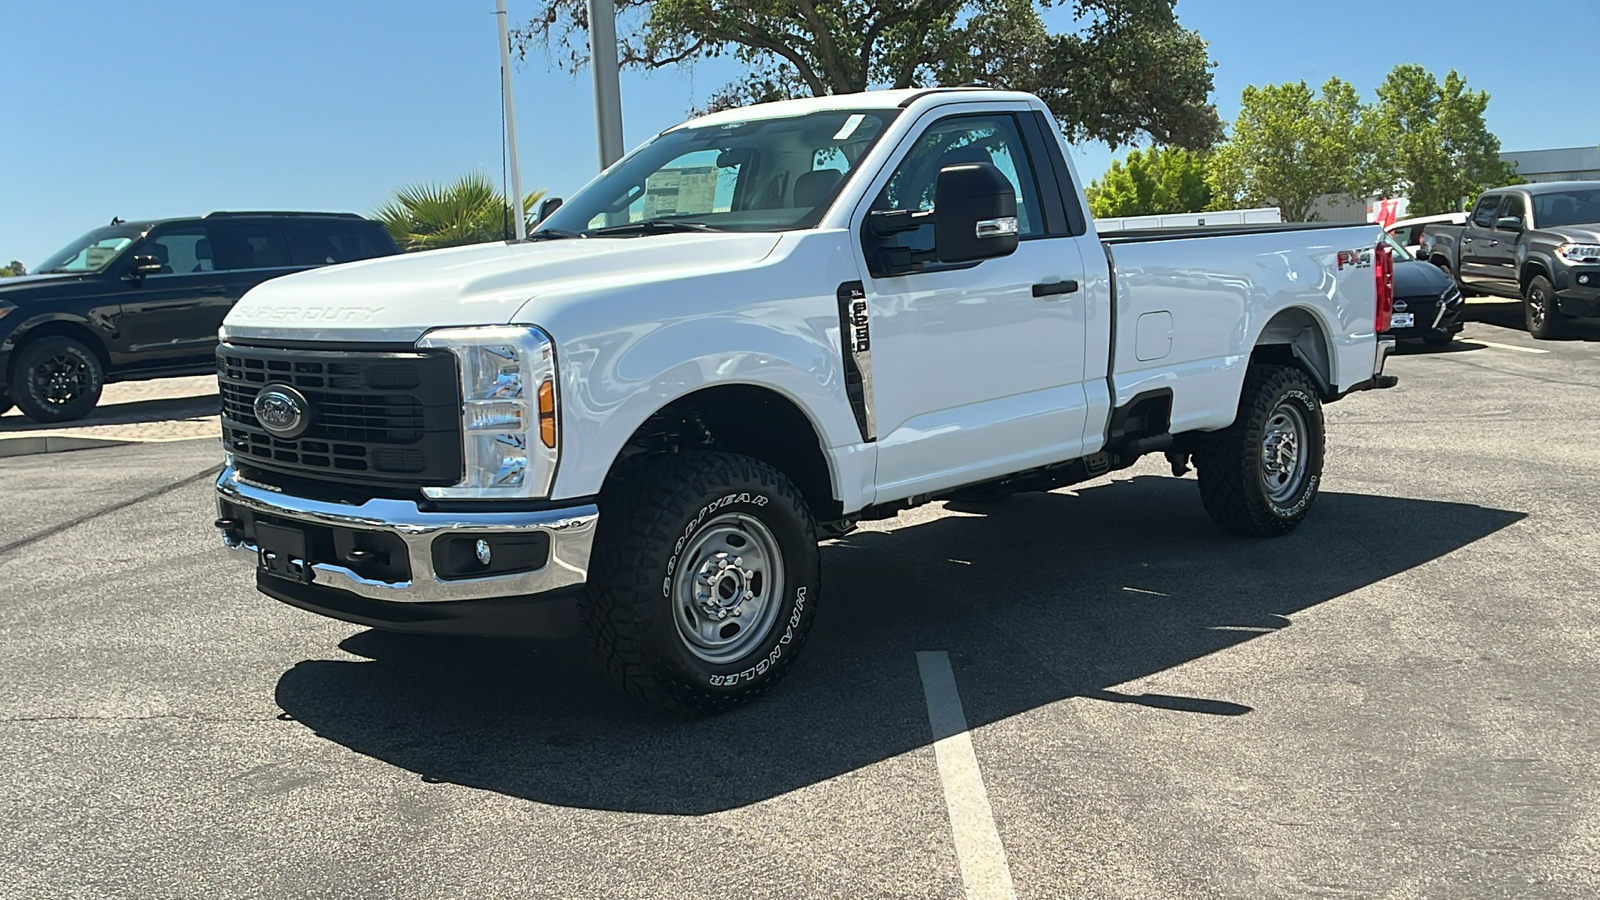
[143, 265]
[975, 214]
[550, 205]
[1509, 223]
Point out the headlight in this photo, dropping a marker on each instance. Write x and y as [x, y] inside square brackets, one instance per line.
[6, 307]
[508, 410]
[1579, 253]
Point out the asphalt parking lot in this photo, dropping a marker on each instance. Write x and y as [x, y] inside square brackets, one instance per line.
[1399, 700]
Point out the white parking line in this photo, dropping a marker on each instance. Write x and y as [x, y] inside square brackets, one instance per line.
[983, 859]
[1503, 346]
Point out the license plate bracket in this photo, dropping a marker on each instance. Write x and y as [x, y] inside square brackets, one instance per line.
[1403, 320]
[282, 552]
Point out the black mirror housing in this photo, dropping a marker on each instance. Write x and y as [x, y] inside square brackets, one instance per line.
[145, 264]
[1509, 223]
[975, 214]
[550, 205]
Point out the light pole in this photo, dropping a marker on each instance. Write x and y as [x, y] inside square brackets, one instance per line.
[511, 121]
[607, 88]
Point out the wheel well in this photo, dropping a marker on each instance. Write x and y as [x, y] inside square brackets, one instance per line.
[1529, 271]
[740, 418]
[1294, 338]
[68, 330]
[73, 330]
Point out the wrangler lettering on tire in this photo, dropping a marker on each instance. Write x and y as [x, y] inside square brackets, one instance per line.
[703, 583]
[1260, 475]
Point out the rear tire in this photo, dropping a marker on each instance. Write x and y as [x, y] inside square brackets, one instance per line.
[704, 581]
[1539, 310]
[5, 403]
[1260, 475]
[56, 379]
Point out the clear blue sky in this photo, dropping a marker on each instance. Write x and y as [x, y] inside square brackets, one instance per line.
[180, 107]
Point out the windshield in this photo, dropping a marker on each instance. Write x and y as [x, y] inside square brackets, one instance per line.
[92, 252]
[1580, 207]
[1401, 254]
[754, 175]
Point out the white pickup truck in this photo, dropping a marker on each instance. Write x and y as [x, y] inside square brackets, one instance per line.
[756, 330]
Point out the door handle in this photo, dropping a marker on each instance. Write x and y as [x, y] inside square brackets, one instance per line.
[1466, 240]
[1494, 243]
[1055, 287]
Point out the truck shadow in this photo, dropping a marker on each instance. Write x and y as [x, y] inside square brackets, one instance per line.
[1508, 314]
[1037, 599]
[133, 412]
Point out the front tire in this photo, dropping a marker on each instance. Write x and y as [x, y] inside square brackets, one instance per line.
[704, 581]
[1539, 310]
[1259, 476]
[57, 379]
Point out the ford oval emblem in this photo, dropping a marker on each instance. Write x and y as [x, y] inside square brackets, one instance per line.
[283, 411]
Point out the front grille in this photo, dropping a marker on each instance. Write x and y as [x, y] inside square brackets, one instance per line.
[375, 417]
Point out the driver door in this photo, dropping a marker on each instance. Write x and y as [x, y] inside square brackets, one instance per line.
[170, 317]
[977, 368]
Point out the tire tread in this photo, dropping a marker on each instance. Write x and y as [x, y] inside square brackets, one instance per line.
[634, 540]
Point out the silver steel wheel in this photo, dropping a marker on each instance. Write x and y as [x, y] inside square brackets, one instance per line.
[1283, 453]
[727, 588]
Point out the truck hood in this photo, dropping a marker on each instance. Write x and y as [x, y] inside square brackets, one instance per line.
[1415, 278]
[1577, 234]
[398, 298]
[21, 286]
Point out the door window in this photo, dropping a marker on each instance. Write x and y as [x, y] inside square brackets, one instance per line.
[254, 246]
[1484, 213]
[181, 250]
[1514, 207]
[956, 141]
[324, 242]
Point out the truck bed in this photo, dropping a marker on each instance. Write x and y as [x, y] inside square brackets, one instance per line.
[1140, 235]
[1189, 303]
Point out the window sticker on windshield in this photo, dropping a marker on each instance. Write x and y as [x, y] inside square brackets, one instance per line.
[849, 127]
[680, 191]
[95, 257]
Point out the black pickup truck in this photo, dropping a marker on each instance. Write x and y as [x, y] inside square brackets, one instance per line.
[138, 300]
[1539, 243]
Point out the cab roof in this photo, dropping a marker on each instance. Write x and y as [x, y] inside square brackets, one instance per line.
[1547, 187]
[886, 99]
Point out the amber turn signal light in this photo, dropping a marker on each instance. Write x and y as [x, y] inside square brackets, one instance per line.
[547, 413]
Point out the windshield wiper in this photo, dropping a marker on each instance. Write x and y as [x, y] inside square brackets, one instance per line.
[651, 226]
[551, 234]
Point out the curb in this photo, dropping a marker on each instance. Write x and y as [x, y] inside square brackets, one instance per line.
[29, 445]
[52, 443]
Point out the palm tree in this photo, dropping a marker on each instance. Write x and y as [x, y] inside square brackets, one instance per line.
[427, 216]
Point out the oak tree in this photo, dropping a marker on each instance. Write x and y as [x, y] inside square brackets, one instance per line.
[1128, 70]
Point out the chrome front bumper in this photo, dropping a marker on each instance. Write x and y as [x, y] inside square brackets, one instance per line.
[571, 532]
